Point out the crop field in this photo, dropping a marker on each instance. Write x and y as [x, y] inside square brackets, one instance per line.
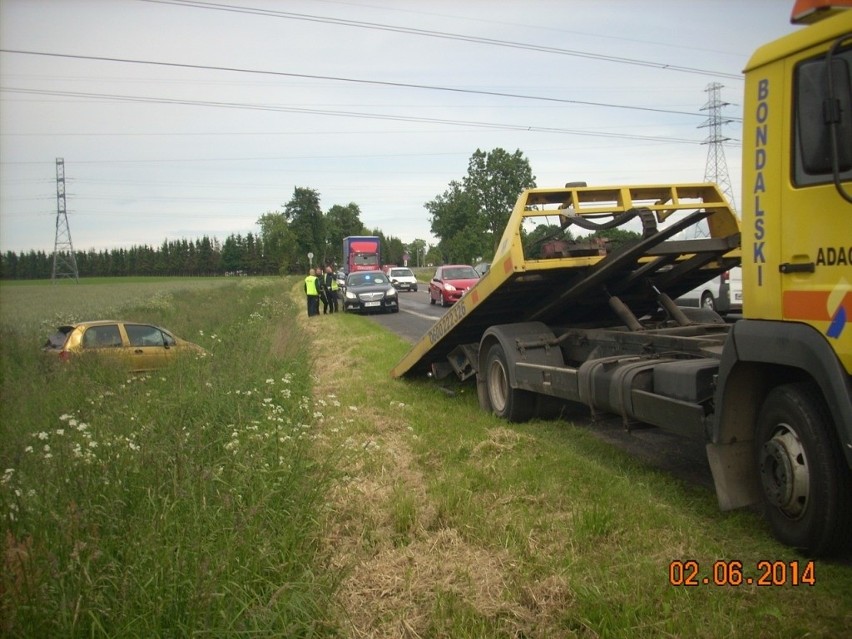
[48, 305]
[285, 486]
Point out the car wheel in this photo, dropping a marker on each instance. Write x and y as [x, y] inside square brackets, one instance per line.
[414, 288]
[513, 404]
[806, 485]
[708, 302]
[444, 302]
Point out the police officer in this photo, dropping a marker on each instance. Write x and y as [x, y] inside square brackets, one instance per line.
[323, 293]
[331, 288]
[312, 293]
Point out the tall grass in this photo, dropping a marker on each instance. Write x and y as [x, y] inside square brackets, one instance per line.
[175, 503]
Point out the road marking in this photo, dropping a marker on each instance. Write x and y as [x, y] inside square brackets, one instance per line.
[423, 315]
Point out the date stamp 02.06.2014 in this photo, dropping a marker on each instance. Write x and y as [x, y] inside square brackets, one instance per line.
[690, 572]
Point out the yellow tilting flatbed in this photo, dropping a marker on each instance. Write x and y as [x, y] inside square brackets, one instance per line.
[573, 283]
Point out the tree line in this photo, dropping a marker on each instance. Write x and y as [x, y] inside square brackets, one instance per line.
[468, 220]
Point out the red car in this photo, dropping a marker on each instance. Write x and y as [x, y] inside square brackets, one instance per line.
[451, 281]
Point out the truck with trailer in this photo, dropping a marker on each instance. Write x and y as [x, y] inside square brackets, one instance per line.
[362, 253]
[558, 322]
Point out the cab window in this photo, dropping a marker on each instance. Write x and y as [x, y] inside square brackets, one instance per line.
[816, 106]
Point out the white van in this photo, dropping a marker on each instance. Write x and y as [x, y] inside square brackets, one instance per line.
[723, 294]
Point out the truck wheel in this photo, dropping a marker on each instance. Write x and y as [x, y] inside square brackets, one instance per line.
[513, 404]
[804, 478]
[708, 302]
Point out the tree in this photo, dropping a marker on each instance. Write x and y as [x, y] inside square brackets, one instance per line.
[433, 256]
[455, 220]
[393, 250]
[417, 252]
[306, 222]
[278, 242]
[232, 254]
[494, 181]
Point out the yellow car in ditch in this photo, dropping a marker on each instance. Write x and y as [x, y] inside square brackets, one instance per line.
[139, 346]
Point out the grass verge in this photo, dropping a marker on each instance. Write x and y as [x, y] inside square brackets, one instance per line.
[448, 522]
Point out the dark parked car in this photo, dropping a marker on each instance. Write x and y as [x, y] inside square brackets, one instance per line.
[368, 291]
[451, 281]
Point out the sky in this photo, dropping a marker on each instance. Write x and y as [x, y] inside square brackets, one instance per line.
[177, 119]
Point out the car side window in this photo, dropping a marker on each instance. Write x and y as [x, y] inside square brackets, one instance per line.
[143, 335]
[102, 337]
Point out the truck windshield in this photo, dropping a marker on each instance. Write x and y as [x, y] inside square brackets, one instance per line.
[368, 259]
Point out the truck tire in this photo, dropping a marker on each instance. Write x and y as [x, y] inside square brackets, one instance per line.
[513, 404]
[804, 479]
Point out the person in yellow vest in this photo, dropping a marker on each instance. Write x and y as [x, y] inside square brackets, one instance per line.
[331, 288]
[312, 293]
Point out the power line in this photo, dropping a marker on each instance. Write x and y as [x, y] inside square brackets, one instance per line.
[197, 4]
[352, 114]
[402, 85]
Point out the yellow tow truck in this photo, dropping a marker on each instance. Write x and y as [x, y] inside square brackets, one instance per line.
[557, 321]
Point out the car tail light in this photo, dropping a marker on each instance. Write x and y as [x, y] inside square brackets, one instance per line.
[64, 356]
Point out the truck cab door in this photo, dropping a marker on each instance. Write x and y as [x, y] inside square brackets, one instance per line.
[816, 231]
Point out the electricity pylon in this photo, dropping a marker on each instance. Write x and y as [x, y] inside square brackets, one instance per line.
[64, 260]
[716, 169]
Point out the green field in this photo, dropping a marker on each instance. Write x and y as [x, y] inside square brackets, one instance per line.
[286, 486]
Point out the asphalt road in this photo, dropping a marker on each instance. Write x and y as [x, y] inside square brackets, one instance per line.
[683, 458]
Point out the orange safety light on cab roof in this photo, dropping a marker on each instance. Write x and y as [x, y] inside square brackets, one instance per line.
[808, 11]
